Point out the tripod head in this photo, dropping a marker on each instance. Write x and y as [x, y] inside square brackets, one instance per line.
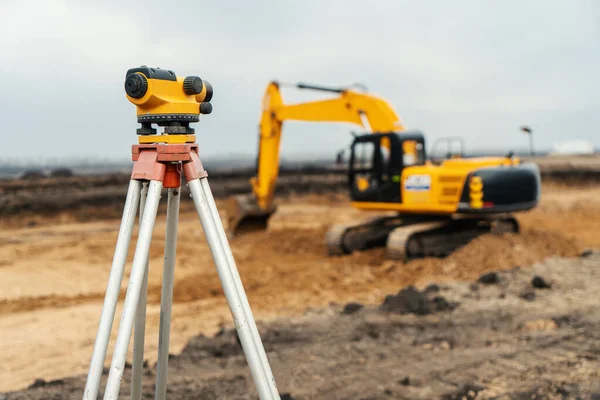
[163, 98]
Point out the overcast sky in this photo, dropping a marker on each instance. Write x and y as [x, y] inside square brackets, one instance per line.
[477, 69]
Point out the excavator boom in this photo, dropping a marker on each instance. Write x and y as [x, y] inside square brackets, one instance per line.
[251, 212]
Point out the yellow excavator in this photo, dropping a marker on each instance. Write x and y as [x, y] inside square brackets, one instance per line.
[434, 207]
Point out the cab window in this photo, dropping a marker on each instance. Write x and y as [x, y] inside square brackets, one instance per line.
[413, 153]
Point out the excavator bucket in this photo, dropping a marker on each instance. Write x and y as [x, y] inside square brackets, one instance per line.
[245, 216]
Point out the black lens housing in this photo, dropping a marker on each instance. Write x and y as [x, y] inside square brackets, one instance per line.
[136, 86]
[209, 91]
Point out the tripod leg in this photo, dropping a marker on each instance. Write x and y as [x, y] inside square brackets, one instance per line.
[112, 291]
[237, 282]
[133, 291]
[166, 297]
[265, 387]
[139, 330]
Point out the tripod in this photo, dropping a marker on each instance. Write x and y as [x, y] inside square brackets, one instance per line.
[157, 166]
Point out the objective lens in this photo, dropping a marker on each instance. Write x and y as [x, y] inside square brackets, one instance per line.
[136, 86]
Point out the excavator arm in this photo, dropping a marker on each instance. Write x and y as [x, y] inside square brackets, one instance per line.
[252, 212]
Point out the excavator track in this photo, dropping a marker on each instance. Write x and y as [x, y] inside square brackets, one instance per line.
[347, 238]
[404, 240]
[334, 239]
[439, 239]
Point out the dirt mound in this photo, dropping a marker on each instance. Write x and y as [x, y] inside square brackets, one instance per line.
[192, 288]
[489, 278]
[259, 256]
[288, 241]
[488, 253]
[514, 249]
[484, 254]
[352, 308]
[411, 301]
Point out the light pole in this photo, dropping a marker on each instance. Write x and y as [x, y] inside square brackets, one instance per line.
[528, 131]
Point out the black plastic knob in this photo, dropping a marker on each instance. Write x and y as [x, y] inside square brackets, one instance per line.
[192, 85]
[136, 86]
[205, 108]
[209, 91]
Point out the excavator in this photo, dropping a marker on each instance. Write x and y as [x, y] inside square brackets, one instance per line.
[425, 207]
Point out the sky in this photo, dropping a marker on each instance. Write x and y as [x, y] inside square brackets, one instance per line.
[476, 69]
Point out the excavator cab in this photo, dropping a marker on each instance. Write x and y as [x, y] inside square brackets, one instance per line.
[376, 164]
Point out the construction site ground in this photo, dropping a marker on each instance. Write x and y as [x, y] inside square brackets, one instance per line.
[504, 337]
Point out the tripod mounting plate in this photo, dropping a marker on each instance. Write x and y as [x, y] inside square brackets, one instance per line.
[151, 160]
[168, 139]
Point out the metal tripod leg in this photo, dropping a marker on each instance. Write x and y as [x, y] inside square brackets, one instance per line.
[139, 330]
[112, 291]
[166, 298]
[265, 387]
[133, 291]
[237, 282]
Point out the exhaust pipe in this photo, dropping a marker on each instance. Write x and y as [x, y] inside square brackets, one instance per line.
[320, 88]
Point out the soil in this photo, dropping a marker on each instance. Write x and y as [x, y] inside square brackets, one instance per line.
[100, 196]
[54, 265]
[491, 345]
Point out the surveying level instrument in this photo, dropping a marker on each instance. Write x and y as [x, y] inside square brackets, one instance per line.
[161, 161]
[163, 98]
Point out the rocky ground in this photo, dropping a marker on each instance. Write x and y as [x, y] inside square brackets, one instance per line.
[518, 334]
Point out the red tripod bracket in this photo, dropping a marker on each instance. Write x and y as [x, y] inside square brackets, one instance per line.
[163, 162]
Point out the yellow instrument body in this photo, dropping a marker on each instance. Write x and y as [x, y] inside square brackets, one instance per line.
[166, 97]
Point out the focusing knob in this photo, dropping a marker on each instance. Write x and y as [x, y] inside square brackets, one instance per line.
[192, 85]
[205, 108]
[136, 86]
